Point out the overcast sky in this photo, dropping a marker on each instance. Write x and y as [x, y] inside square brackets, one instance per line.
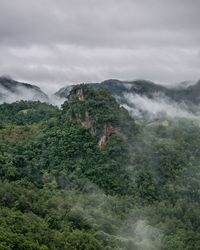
[54, 43]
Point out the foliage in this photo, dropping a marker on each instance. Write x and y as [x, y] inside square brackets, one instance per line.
[59, 190]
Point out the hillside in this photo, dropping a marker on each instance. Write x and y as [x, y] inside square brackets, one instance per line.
[145, 99]
[11, 90]
[88, 176]
[188, 94]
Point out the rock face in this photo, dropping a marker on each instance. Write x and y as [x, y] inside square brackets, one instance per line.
[96, 110]
[77, 93]
[108, 130]
[88, 122]
[11, 91]
[80, 95]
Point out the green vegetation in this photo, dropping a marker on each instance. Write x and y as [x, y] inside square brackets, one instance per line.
[59, 189]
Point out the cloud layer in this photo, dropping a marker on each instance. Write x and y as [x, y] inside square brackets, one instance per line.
[55, 43]
[159, 106]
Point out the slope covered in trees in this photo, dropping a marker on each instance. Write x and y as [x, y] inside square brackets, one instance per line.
[87, 176]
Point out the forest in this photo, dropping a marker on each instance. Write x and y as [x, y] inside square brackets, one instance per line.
[88, 176]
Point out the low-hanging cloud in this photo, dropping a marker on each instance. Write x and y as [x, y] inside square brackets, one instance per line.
[159, 106]
[146, 236]
[22, 93]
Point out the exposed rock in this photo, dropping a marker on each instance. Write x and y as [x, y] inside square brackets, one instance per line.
[108, 130]
[87, 123]
[77, 93]
[90, 121]
[102, 142]
[80, 94]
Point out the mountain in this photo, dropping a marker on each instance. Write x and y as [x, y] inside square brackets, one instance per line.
[143, 99]
[88, 176]
[146, 99]
[11, 90]
[189, 93]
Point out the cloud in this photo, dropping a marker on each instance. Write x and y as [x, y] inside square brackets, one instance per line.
[146, 236]
[55, 43]
[158, 106]
[22, 93]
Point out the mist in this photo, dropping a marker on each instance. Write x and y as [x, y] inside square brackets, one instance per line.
[14, 93]
[157, 107]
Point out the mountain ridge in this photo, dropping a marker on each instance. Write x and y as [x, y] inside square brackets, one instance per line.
[181, 92]
[142, 98]
[12, 90]
[143, 87]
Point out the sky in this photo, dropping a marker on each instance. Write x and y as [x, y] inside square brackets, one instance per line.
[54, 43]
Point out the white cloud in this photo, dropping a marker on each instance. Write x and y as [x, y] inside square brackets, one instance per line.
[158, 106]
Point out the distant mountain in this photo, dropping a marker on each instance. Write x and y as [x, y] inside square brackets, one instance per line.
[146, 99]
[185, 84]
[64, 92]
[141, 98]
[184, 93]
[11, 90]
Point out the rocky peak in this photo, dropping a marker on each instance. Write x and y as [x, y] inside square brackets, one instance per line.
[78, 92]
[97, 111]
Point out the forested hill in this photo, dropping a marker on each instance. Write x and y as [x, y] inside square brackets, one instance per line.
[88, 176]
[180, 93]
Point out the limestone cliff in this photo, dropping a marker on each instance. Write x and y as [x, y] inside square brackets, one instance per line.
[97, 111]
[107, 131]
